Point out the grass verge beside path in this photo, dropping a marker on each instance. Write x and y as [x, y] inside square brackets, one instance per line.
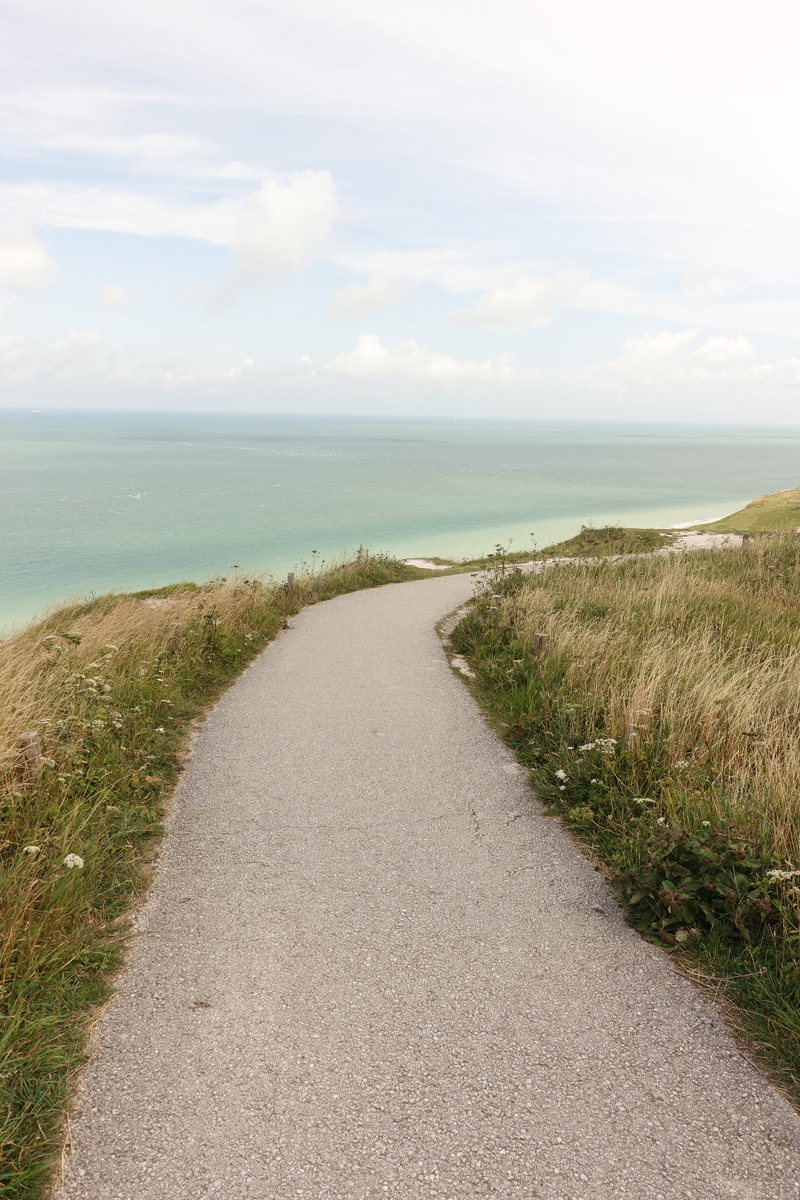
[663, 727]
[112, 690]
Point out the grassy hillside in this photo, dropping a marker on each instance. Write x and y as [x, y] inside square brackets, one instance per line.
[773, 513]
[663, 725]
[608, 540]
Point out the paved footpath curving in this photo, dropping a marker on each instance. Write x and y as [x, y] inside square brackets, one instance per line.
[369, 967]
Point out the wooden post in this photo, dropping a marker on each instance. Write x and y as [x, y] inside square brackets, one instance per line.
[540, 644]
[745, 538]
[175, 636]
[290, 579]
[30, 759]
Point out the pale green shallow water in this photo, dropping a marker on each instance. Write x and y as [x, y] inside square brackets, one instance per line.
[93, 501]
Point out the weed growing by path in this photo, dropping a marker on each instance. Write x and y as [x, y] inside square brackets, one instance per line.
[663, 725]
[112, 687]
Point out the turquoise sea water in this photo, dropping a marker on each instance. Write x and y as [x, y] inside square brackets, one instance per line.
[91, 501]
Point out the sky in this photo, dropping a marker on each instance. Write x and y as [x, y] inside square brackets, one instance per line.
[530, 208]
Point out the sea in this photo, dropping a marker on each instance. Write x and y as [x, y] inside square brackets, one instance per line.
[92, 501]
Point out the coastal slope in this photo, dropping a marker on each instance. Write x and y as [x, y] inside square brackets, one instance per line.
[772, 513]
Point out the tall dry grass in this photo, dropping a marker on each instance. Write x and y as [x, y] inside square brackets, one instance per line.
[695, 660]
[50, 682]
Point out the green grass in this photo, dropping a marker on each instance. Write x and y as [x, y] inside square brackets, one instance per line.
[663, 728]
[775, 512]
[608, 540]
[114, 731]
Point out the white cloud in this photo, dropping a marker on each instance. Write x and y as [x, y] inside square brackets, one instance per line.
[408, 360]
[654, 356]
[659, 361]
[115, 296]
[724, 352]
[25, 358]
[525, 300]
[214, 376]
[64, 206]
[453, 269]
[282, 227]
[657, 374]
[24, 262]
[361, 299]
[703, 289]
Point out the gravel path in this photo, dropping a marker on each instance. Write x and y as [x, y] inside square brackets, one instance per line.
[369, 967]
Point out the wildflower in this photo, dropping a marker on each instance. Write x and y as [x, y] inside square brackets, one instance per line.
[593, 781]
[643, 800]
[570, 747]
[561, 774]
[48, 762]
[562, 788]
[706, 824]
[643, 712]
[136, 709]
[587, 746]
[681, 764]
[31, 851]
[73, 860]
[781, 874]
[662, 820]
[109, 649]
[161, 729]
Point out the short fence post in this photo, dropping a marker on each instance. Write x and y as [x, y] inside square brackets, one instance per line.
[540, 644]
[745, 538]
[175, 636]
[30, 759]
[290, 579]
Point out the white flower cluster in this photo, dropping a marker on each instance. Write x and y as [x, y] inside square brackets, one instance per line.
[605, 745]
[781, 874]
[561, 774]
[642, 800]
[73, 860]
[91, 685]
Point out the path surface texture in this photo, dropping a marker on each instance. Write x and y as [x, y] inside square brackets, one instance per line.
[369, 967]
